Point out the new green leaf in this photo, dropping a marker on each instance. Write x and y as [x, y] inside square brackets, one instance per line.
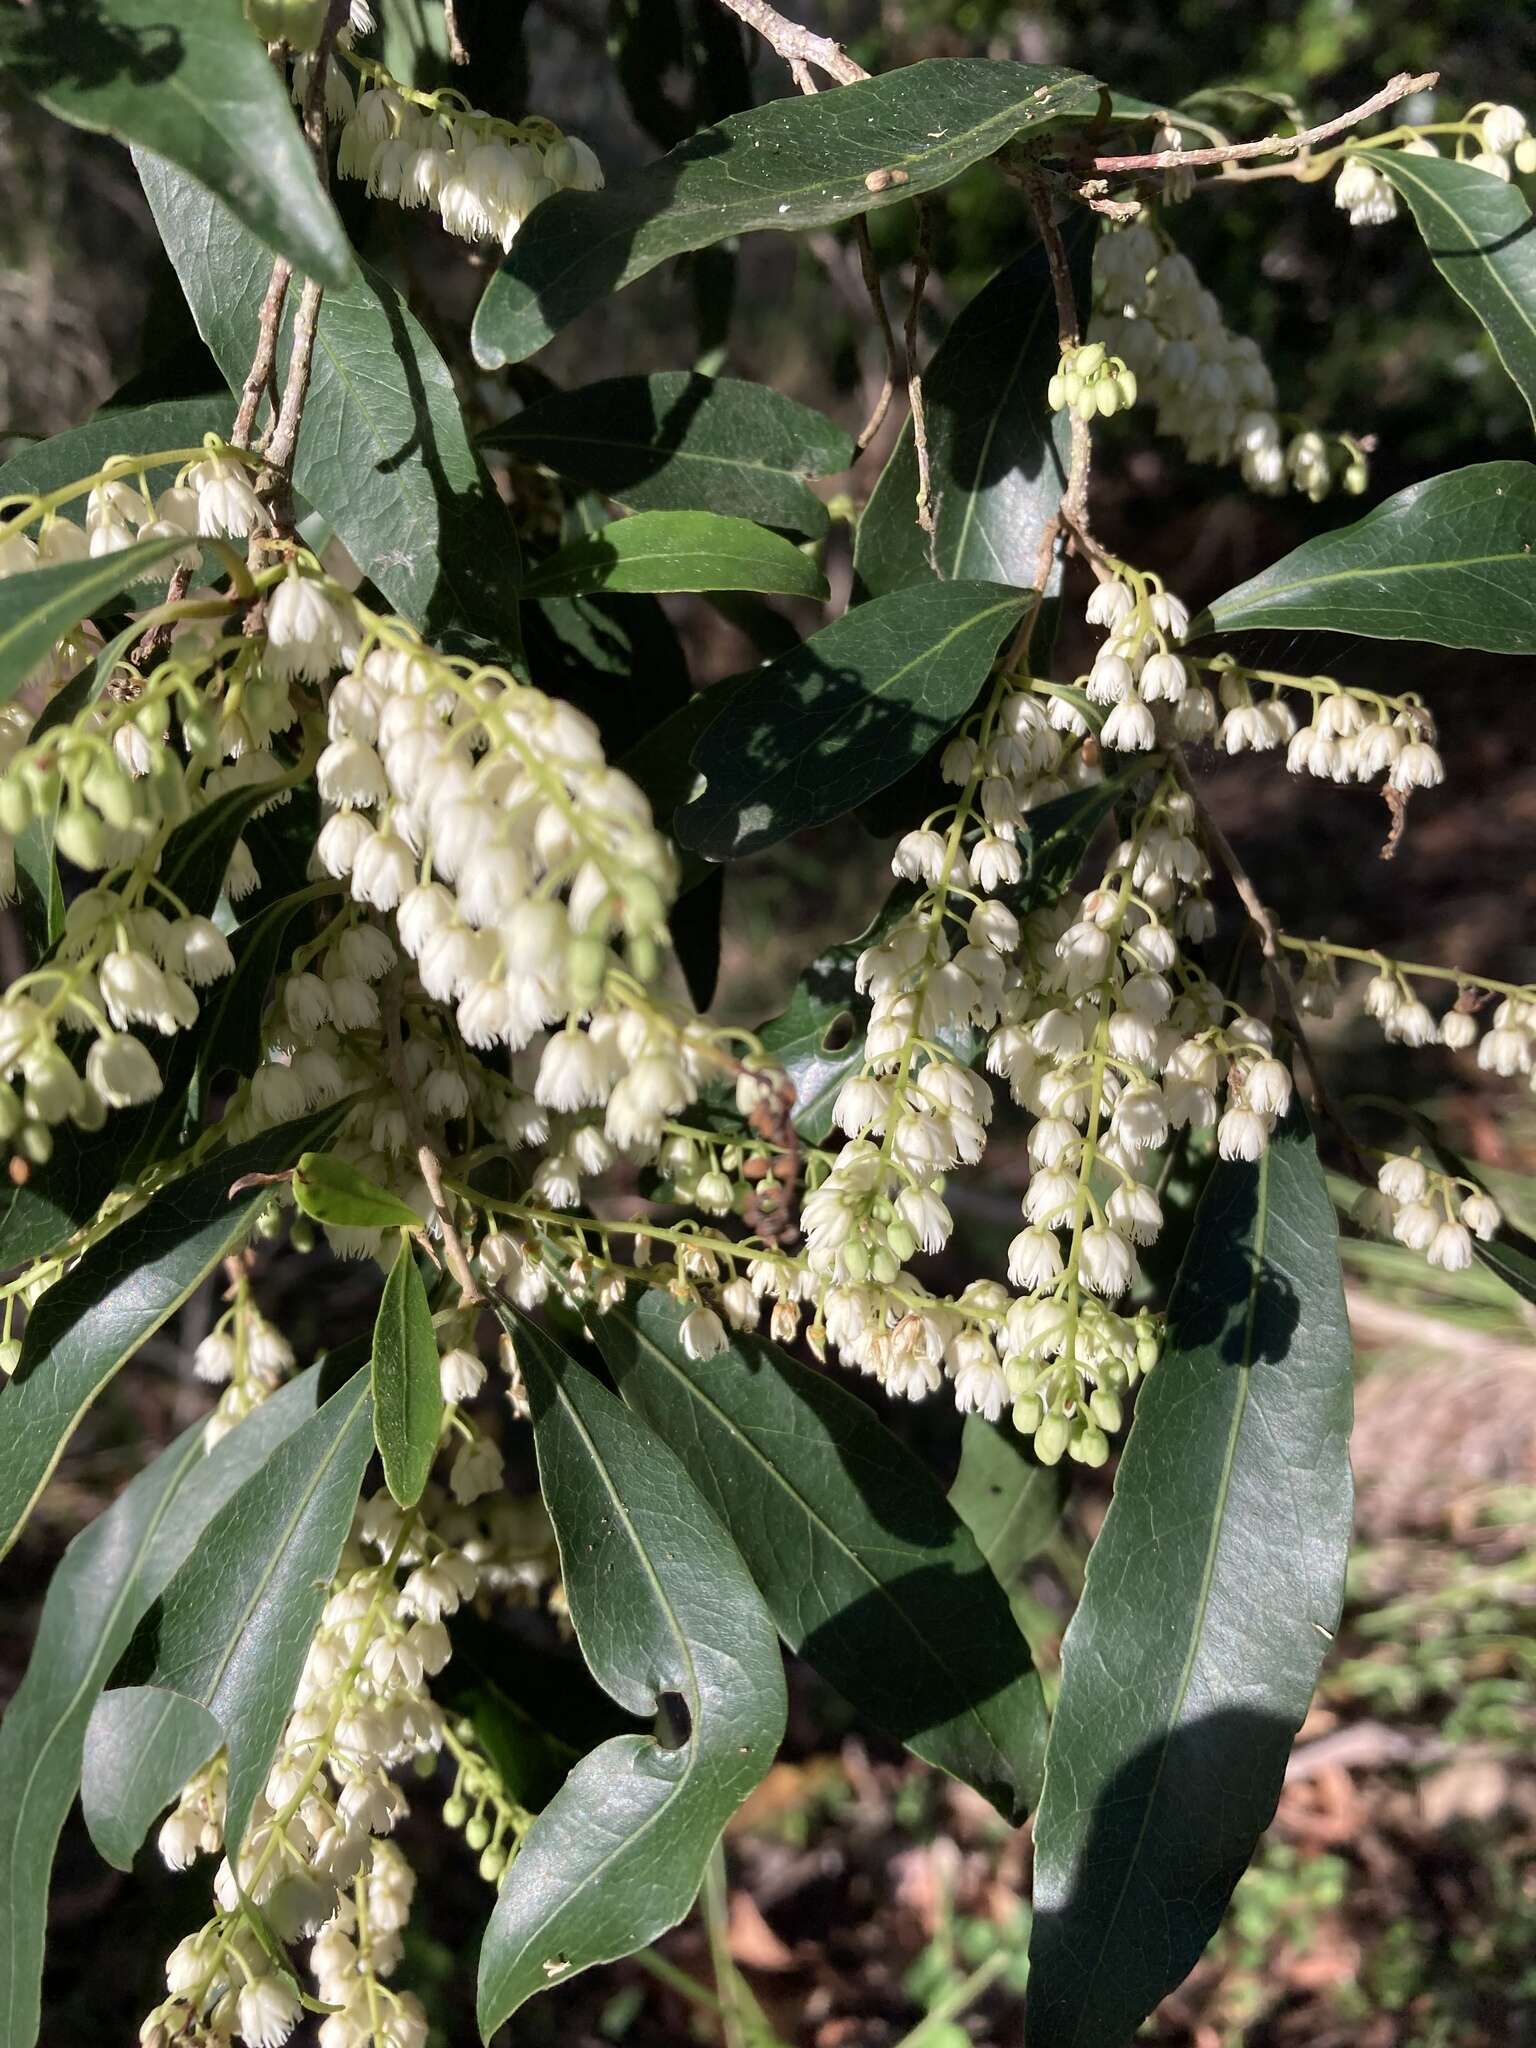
[868, 1571]
[794, 164]
[232, 1628]
[407, 1395]
[335, 1192]
[110, 1575]
[1449, 560]
[997, 454]
[671, 1625]
[679, 442]
[811, 735]
[192, 81]
[385, 456]
[1478, 231]
[38, 606]
[1213, 1591]
[90, 1322]
[678, 551]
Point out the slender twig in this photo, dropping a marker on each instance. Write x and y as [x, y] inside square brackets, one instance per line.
[1074, 503]
[456, 48]
[1398, 88]
[454, 1255]
[871, 275]
[920, 269]
[796, 45]
[259, 376]
[285, 433]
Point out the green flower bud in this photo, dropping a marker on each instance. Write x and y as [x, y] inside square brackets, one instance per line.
[478, 1832]
[15, 806]
[492, 1864]
[110, 791]
[10, 1352]
[1105, 1409]
[1089, 359]
[901, 1241]
[79, 837]
[1089, 1444]
[1027, 1415]
[856, 1259]
[1106, 396]
[37, 1144]
[883, 1268]
[1147, 1348]
[1128, 387]
[1052, 1438]
[1525, 156]
[1056, 392]
[455, 1811]
[43, 783]
[301, 1234]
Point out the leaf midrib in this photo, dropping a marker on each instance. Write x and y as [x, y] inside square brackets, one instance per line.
[1416, 179]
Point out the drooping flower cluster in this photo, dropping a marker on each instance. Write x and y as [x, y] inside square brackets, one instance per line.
[482, 177]
[244, 1355]
[1211, 388]
[1091, 383]
[1429, 1211]
[1492, 139]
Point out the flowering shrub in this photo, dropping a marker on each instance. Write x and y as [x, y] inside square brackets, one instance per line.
[349, 930]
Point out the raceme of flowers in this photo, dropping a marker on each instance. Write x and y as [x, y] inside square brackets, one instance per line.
[1493, 139]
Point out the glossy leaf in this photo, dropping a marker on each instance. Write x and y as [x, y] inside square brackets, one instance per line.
[385, 456]
[868, 1571]
[1448, 561]
[192, 81]
[407, 1394]
[90, 1322]
[678, 551]
[679, 442]
[1213, 1592]
[136, 430]
[142, 1746]
[792, 165]
[1478, 231]
[232, 1628]
[108, 1578]
[997, 455]
[670, 1624]
[811, 735]
[38, 606]
[333, 1191]
[1010, 1502]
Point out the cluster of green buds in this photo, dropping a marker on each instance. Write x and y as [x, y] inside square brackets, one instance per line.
[1091, 382]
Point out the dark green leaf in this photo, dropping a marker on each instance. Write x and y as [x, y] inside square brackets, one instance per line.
[998, 456]
[671, 1624]
[1478, 231]
[108, 1578]
[1213, 1591]
[384, 456]
[678, 551]
[679, 442]
[197, 854]
[230, 1039]
[232, 1628]
[795, 164]
[141, 1747]
[868, 1571]
[590, 649]
[190, 80]
[137, 430]
[814, 733]
[407, 1395]
[1449, 560]
[91, 1322]
[332, 1191]
[1011, 1504]
[38, 606]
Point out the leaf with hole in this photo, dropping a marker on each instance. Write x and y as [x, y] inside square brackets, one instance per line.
[109, 1576]
[813, 734]
[678, 442]
[1213, 1591]
[794, 164]
[89, 1323]
[868, 1571]
[671, 1625]
[652, 551]
[190, 80]
[1450, 560]
[407, 1394]
[385, 456]
[1480, 236]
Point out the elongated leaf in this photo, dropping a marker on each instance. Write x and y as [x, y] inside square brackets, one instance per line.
[384, 456]
[190, 80]
[997, 455]
[678, 442]
[91, 1322]
[108, 1578]
[678, 551]
[670, 1624]
[1010, 1503]
[589, 650]
[1213, 1591]
[136, 430]
[867, 1570]
[1448, 560]
[814, 733]
[407, 1396]
[231, 1036]
[232, 1628]
[38, 606]
[795, 164]
[330, 1190]
[1478, 230]
[141, 1747]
